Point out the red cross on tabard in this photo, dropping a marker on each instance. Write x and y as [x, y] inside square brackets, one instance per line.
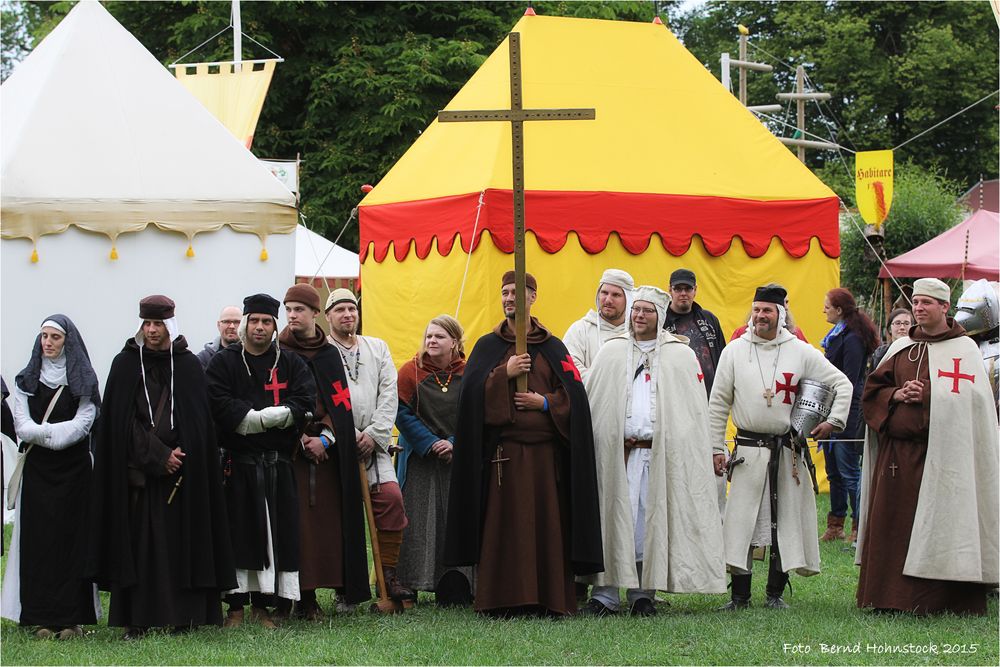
[570, 367]
[956, 376]
[786, 387]
[275, 386]
[341, 395]
[701, 376]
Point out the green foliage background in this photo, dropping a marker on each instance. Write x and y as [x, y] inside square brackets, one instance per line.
[362, 80]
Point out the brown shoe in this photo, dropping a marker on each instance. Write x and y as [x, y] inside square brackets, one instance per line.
[308, 611]
[71, 632]
[834, 529]
[397, 591]
[45, 633]
[853, 536]
[261, 617]
[234, 619]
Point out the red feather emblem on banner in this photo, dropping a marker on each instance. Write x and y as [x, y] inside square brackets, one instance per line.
[879, 203]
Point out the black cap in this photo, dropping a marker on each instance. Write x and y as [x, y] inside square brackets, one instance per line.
[775, 295]
[262, 304]
[683, 277]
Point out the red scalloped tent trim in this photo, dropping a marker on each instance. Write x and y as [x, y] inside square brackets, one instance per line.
[593, 216]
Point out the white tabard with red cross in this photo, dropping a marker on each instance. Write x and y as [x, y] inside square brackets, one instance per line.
[752, 373]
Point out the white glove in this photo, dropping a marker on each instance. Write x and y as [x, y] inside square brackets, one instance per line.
[276, 416]
[251, 423]
[31, 432]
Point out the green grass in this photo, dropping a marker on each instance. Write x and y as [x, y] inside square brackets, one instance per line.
[689, 631]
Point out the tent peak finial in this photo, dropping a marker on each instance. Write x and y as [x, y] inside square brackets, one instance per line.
[657, 21]
[530, 11]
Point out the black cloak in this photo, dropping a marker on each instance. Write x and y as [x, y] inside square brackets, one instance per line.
[234, 392]
[331, 382]
[207, 559]
[475, 445]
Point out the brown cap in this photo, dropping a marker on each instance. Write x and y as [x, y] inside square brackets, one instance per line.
[156, 307]
[529, 280]
[303, 293]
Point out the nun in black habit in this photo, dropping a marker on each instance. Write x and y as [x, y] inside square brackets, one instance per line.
[56, 401]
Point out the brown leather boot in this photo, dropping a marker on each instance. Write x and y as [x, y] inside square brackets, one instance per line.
[234, 619]
[397, 591]
[853, 536]
[262, 617]
[834, 529]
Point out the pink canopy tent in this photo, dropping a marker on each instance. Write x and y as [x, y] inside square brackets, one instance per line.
[943, 255]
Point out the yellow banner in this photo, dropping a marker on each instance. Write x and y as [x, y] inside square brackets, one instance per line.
[873, 185]
[235, 98]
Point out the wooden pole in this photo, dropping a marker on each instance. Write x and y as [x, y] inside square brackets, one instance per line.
[800, 106]
[516, 115]
[384, 603]
[517, 151]
[887, 299]
[743, 71]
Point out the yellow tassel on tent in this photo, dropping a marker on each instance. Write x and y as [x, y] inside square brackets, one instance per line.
[34, 256]
[263, 254]
[114, 253]
[190, 251]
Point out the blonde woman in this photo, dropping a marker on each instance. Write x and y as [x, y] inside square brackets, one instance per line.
[427, 415]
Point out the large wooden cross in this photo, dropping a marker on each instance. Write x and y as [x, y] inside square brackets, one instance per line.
[516, 116]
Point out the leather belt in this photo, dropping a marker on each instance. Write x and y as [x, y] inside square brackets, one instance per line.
[266, 467]
[774, 443]
[639, 444]
[636, 444]
[768, 440]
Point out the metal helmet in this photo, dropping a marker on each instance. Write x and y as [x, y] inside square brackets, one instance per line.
[812, 406]
[978, 308]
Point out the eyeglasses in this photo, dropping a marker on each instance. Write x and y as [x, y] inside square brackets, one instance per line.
[647, 311]
[230, 323]
[901, 323]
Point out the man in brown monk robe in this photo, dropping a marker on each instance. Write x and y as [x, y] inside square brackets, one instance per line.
[524, 488]
[331, 518]
[929, 515]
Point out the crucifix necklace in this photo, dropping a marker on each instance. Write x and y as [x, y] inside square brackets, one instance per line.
[768, 393]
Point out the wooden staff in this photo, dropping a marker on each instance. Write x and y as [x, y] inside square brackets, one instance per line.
[384, 605]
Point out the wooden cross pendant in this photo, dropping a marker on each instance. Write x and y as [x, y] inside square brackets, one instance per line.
[499, 460]
[893, 467]
[768, 395]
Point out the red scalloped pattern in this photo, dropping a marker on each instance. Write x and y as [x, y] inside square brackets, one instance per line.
[593, 216]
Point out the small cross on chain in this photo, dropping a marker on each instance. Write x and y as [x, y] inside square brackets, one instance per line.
[893, 467]
[768, 395]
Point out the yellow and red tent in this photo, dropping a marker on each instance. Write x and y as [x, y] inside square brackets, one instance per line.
[673, 172]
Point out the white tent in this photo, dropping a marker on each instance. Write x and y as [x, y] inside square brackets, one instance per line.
[316, 257]
[102, 154]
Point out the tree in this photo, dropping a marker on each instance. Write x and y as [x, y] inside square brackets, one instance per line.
[360, 81]
[16, 22]
[893, 68]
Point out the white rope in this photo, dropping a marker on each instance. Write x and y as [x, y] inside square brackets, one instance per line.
[201, 45]
[280, 59]
[354, 212]
[468, 259]
[959, 113]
